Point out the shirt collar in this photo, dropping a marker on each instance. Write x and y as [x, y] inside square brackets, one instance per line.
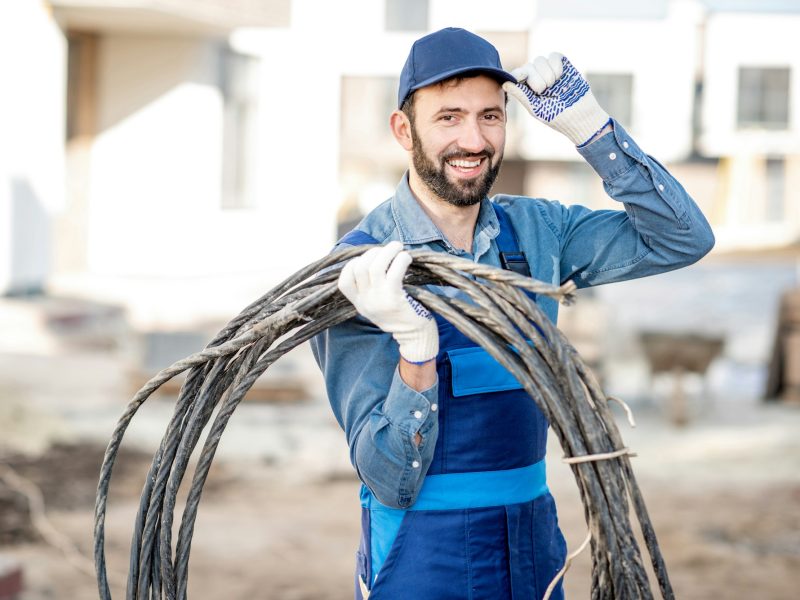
[415, 226]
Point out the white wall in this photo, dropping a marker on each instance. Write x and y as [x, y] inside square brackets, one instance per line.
[734, 40]
[661, 56]
[159, 242]
[32, 69]
[155, 165]
[737, 40]
[478, 15]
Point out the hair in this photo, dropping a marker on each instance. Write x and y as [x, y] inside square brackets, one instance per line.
[408, 107]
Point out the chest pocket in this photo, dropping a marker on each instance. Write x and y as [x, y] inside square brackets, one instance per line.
[474, 371]
[487, 421]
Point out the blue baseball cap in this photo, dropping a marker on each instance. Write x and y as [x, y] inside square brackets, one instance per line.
[447, 53]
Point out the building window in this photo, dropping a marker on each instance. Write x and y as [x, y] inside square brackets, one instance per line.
[614, 92]
[763, 99]
[239, 86]
[406, 15]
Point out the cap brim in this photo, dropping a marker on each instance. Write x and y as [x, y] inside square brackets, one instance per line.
[498, 74]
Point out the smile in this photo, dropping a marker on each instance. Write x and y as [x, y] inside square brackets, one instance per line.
[465, 164]
[466, 167]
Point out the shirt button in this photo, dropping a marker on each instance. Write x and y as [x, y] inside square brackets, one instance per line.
[613, 156]
[415, 464]
[624, 144]
[417, 414]
[434, 407]
[661, 187]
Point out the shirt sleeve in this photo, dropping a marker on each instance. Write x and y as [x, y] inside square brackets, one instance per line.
[661, 228]
[379, 413]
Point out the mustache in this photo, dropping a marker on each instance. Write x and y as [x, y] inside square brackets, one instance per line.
[487, 152]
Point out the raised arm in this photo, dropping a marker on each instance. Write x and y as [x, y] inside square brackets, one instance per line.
[660, 229]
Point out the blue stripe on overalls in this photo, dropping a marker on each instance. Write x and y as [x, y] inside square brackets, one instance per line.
[484, 524]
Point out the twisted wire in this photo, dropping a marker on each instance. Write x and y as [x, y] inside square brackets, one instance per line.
[494, 310]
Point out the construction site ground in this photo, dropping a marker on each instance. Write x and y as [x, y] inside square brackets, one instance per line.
[279, 518]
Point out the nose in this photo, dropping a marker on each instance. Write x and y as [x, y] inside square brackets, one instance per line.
[471, 137]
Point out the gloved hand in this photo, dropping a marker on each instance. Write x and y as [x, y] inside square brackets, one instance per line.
[553, 91]
[373, 282]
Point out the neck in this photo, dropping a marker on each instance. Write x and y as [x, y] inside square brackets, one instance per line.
[457, 223]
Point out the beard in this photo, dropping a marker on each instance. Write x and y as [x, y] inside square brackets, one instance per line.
[459, 193]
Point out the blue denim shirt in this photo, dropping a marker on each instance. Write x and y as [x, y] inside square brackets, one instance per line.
[660, 229]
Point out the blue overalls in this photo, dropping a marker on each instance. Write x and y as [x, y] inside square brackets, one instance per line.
[484, 524]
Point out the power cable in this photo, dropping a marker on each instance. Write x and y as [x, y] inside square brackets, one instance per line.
[492, 309]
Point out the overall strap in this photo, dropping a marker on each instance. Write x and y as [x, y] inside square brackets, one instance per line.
[356, 237]
[511, 257]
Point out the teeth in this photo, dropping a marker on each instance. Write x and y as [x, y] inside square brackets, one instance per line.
[466, 164]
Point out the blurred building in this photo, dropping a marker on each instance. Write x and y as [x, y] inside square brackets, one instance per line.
[136, 162]
[180, 156]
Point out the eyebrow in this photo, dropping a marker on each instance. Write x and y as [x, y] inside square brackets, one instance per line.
[496, 108]
[458, 109]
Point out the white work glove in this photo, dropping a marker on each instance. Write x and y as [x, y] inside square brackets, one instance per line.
[373, 282]
[553, 91]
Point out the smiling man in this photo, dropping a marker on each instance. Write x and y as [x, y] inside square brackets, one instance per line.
[457, 166]
[449, 448]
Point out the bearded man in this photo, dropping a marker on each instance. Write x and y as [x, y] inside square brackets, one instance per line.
[449, 448]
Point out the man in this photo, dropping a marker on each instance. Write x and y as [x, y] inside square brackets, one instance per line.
[449, 449]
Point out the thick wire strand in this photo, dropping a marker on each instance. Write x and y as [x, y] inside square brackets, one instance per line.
[493, 309]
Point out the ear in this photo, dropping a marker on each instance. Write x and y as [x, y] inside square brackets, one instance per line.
[401, 129]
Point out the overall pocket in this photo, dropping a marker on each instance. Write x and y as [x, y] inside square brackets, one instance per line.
[489, 421]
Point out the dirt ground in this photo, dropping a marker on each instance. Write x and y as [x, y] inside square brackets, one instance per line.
[279, 517]
[261, 536]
